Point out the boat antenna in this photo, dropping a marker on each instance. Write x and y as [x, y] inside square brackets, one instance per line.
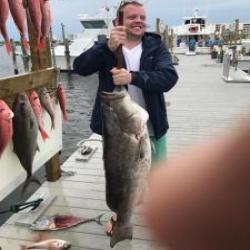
[196, 12]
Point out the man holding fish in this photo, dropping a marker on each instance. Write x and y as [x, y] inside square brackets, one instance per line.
[147, 73]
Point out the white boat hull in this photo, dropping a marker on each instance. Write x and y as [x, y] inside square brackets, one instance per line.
[61, 63]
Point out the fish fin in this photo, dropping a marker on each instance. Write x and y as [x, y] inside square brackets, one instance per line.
[8, 47]
[31, 123]
[110, 225]
[28, 181]
[52, 123]
[44, 134]
[121, 233]
[41, 44]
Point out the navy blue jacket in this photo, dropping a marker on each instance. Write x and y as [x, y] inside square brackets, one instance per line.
[156, 75]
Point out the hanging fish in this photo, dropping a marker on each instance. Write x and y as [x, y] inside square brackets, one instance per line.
[6, 130]
[35, 16]
[37, 108]
[4, 14]
[25, 135]
[46, 102]
[62, 100]
[58, 222]
[46, 21]
[18, 13]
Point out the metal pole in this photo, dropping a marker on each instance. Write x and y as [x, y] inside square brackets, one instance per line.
[25, 58]
[14, 58]
[52, 47]
[158, 26]
[66, 52]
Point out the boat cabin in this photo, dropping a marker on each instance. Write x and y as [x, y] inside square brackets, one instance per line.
[194, 31]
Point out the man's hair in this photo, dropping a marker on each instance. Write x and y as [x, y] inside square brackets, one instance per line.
[123, 4]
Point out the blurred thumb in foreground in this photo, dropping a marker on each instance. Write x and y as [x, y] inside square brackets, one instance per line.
[201, 199]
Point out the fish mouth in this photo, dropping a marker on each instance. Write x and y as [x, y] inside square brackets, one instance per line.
[67, 245]
[112, 96]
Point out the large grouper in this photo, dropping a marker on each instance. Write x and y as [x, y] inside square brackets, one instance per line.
[25, 135]
[127, 158]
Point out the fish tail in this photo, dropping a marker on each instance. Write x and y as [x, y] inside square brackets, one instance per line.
[8, 47]
[98, 219]
[65, 116]
[44, 134]
[28, 181]
[121, 233]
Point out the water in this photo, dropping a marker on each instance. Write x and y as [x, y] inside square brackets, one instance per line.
[80, 92]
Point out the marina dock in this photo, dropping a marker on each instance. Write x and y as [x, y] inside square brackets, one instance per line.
[200, 107]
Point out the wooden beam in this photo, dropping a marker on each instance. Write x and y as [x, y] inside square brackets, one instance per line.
[53, 169]
[15, 84]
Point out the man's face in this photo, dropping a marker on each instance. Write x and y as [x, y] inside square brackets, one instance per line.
[134, 20]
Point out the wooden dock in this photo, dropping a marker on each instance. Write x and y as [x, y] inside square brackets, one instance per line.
[81, 195]
[201, 106]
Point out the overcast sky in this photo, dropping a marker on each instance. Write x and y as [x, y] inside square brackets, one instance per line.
[170, 12]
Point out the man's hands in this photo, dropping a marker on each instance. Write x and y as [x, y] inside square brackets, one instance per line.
[121, 76]
[118, 36]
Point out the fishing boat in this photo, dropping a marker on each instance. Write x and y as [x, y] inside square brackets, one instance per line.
[96, 28]
[194, 35]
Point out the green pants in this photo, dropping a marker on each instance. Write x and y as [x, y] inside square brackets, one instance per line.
[158, 149]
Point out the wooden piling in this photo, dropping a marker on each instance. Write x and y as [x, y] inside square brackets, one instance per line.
[14, 56]
[67, 51]
[25, 59]
[158, 31]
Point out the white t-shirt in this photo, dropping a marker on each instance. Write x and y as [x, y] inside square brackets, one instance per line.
[132, 58]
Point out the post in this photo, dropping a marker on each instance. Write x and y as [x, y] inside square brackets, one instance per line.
[14, 58]
[66, 52]
[52, 47]
[25, 58]
[158, 31]
[165, 35]
[41, 59]
[172, 40]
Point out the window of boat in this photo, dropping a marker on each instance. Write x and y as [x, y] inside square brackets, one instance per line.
[198, 21]
[94, 24]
